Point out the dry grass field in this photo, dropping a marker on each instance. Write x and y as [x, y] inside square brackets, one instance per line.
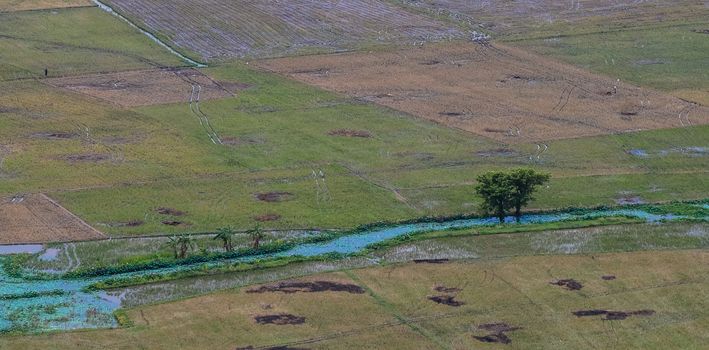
[494, 91]
[648, 300]
[142, 88]
[38, 219]
[23, 5]
[520, 18]
[267, 28]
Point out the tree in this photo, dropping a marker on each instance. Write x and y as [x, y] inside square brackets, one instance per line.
[525, 183]
[173, 242]
[256, 235]
[496, 191]
[226, 234]
[181, 244]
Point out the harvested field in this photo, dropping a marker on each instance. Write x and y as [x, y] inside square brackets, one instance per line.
[241, 28]
[37, 219]
[142, 88]
[518, 17]
[495, 91]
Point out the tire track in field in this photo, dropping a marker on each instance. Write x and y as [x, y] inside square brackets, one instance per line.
[195, 108]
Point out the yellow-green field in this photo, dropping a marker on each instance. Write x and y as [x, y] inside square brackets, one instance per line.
[395, 312]
[23, 5]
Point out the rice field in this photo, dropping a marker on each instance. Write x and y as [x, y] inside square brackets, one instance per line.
[249, 29]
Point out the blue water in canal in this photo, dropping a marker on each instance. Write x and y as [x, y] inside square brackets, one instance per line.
[61, 304]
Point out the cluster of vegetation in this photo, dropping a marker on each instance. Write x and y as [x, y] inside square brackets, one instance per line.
[33, 294]
[502, 191]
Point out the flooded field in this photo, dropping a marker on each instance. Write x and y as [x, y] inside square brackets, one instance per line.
[40, 304]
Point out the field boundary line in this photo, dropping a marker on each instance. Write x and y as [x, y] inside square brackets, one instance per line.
[150, 35]
[66, 211]
[45, 9]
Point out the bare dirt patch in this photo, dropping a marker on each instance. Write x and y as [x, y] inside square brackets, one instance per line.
[608, 277]
[88, 158]
[274, 196]
[495, 91]
[35, 218]
[142, 88]
[290, 287]
[569, 284]
[176, 223]
[170, 211]
[54, 135]
[498, 152]
[430, 261]
[613, 315]
[267, 217]
[279, 319]
[497, 332]
[240, 141]
[131, 223]
[350, 133]
[446, 300]
[444, 289]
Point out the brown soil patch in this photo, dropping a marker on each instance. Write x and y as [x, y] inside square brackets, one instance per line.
[430, 261]
[613, 315]
[176, 223]
[169, 211]
[239, 141]
[36, 218]
[350, 133]
[267, 217]
[132, 223]
[88, 158]
[498, 152]
[446, 300]
[54, 135]
[444, 289]
[569, 284]
[279, 319]
[274, 196]
[272, 348]
[142, 88]
[495, 91]
[497, 334]
[290, 287]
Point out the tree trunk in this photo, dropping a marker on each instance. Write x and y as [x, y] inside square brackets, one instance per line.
[501, 215]
[518, 212]
[256, 242]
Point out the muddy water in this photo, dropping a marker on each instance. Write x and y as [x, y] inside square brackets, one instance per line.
[38, 305]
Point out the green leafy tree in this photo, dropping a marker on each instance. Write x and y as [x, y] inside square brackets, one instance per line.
[496, 191]
[184, 243]
[256, 235]
[226, 235]
[525, 183]
[173, 243]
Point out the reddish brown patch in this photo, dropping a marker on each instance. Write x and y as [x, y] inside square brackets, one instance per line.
[267, 217]
[274, 196]
[350, 133]
[169, 211]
